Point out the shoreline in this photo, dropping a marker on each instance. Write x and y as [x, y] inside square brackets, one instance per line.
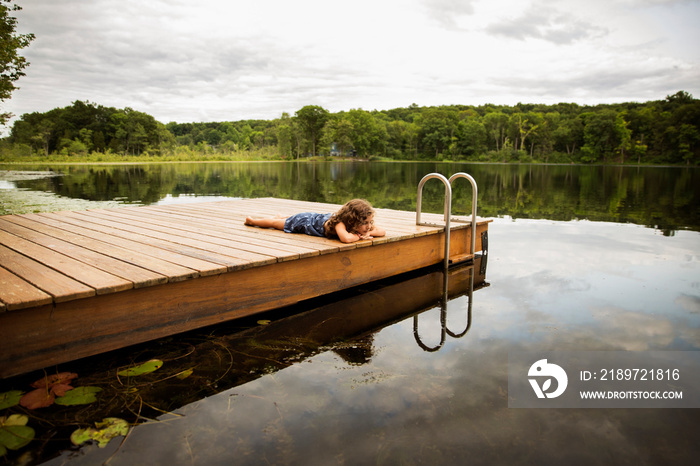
[342, 160]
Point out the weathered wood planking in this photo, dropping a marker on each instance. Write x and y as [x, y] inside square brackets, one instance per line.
[73, 284]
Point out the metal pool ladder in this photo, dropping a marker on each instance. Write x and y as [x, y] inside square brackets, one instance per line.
[448, 208]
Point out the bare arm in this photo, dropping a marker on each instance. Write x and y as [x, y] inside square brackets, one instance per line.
[346, 237]
[376, 231]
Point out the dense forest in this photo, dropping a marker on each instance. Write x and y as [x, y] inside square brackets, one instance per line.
[662, 132]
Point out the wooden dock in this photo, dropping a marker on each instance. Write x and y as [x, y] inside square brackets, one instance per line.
[75, 284]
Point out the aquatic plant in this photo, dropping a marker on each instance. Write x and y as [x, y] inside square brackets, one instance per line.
[102, 433]
[47, 389]
[10, 399]
[14, 433]
[141, 369]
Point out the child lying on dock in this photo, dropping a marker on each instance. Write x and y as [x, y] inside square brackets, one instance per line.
[353, 222]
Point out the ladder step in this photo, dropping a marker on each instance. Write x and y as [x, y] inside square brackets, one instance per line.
[457, 258]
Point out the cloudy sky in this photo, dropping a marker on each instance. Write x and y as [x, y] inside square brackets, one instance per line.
[217, 60]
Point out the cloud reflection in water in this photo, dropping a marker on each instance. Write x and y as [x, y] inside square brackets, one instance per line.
[553, 286]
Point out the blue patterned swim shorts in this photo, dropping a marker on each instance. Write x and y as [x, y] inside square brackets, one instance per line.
[307, 222]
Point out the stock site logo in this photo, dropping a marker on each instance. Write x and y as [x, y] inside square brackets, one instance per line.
[546, 372]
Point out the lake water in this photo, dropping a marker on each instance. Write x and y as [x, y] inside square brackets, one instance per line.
[581, 259]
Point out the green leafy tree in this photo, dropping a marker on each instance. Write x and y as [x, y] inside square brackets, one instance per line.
[402, 139]
[12, 65]
[685, 117]
[285, 136]
[472, 136]
[688, 142]
[34, 130]
[641, 124]
[99, 144]
[623, 135]
[568, 135]
[680, 98]
[601, 135]
[311, 120]
[74, 147]
[525, 125]
[245, 134]
[496, 124]
[212, 136]
[257, 138]
[134, 132]
[86, 137]
[438, 127]
[339, 131]
[544, 136]
[367, 135]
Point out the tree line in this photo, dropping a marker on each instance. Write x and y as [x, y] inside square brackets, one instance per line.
[85, 127]
[665, 131]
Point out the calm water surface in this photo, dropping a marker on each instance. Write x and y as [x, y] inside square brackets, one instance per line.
[580, 259]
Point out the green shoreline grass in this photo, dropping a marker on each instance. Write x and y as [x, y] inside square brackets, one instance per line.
[129, 159]
[262, 155]
[159, 160]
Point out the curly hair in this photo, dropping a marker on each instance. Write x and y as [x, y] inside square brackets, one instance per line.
[353, 214]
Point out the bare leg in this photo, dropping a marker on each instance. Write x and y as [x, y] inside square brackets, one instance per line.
[276, 223]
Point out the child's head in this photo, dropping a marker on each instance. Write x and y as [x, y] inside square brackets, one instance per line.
[357, 216]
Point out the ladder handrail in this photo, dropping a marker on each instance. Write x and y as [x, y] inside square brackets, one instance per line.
[448, 194]
[474, 196]
[448, 208]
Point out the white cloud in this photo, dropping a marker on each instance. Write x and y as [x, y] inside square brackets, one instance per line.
[447, 13]
[218, 60]
[689, 303]
[546, 23]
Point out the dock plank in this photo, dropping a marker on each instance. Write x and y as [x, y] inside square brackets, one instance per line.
[211, 232]
[102, 282]
[16, 293]
[188, 267]
[160, 271]
[136, 275]
[204, 241]
[206, 264]
[59, 286]
[241, 257]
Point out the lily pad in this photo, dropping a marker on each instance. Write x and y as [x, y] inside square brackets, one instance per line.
[145, 368]
[14, 433]
[79, 396]
[39, 398]
[47, 389]
[10, 399]
[184, 374]
[53, 380]
[102, 433]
